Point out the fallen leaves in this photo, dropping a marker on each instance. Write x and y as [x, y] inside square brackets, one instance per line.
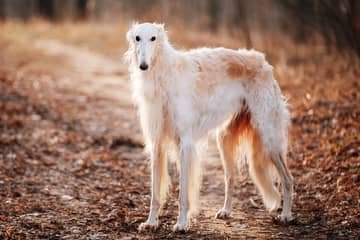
[68, 168]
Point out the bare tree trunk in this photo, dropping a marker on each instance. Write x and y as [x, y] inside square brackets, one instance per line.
[355, 24]
[82, 9]
[2, 9]
[236, 19]
[214, 13]
[244, 24]
[46, 9]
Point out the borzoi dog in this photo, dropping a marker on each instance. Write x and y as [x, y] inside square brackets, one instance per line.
[182, 95]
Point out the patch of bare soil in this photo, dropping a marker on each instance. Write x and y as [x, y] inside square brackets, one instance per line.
[72, 163]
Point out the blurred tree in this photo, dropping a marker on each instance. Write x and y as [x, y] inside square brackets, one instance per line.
[236, 19]
[214, 14]
[338, 21]
[46, 8]
[2, 10]
[16, 9]
[50, 9]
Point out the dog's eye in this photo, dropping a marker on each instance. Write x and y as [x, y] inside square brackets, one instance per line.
[137, 38]
[153, 38]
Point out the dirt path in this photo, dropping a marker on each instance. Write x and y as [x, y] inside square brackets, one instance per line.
[101, 77]
[75, 167]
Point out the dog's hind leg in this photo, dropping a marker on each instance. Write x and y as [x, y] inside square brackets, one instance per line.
[286, 181]
[227, 143]
[159, 185]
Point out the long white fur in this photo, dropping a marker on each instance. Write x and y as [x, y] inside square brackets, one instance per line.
[178, 108]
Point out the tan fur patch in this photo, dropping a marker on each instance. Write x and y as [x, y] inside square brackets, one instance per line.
[237, 69]
[200, 68]
[240, 123]
[238, 128]
[241, 127]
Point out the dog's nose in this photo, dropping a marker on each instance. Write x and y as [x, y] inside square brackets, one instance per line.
[143, 66]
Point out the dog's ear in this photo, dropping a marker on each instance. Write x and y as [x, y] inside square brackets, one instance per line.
[162, 32]
[129, 34]
[129, 54]
[160, 26]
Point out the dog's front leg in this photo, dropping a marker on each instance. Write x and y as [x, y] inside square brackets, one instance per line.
[187, 158]
[157, 163]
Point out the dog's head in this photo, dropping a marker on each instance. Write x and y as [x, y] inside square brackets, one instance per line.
[145, 41]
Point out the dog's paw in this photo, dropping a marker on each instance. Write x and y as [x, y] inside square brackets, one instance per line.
[284, 219]
[147, 226]
[223, 214]
[180, 227]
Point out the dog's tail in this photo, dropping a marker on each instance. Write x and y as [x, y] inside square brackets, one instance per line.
[262, 172]
[253, 152]
[267, 137]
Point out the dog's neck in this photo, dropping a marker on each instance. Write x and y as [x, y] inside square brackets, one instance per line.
[165, 57]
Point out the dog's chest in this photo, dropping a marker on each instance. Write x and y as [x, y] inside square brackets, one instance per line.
[148, 90]
[169, 103]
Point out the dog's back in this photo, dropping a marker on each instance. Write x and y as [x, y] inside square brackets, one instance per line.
[225, 64]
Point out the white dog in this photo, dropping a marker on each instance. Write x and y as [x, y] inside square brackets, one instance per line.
[181, 96]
